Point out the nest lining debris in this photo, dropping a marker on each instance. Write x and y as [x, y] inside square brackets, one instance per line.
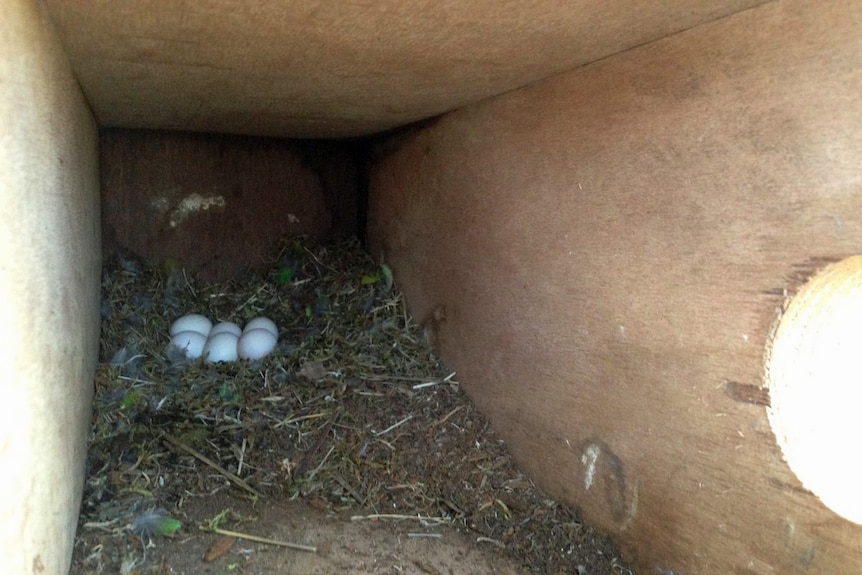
[353, 412]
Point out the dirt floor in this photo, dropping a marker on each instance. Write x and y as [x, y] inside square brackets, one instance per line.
[350, 449]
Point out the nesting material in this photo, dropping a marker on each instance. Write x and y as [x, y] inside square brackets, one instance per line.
[352, 412]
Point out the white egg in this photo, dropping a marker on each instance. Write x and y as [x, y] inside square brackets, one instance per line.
[256, 343]
[192, 322]
[262, 323]
[221, 347]
[226, 326]
[190, 342]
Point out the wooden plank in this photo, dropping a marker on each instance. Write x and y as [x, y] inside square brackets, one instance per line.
[316, 68]
[601, 257]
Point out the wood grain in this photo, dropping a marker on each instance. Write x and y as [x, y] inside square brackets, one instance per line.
[315, 68]
[612, 248]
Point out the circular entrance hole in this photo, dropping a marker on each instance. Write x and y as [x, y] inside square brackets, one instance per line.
[814, 373]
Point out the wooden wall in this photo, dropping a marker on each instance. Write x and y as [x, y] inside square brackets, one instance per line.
[601, 256]
[316, 68]
[49, 291]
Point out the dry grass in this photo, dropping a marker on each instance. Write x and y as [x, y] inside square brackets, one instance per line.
[352, 412]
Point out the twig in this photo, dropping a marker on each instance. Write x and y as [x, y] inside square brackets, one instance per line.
[359, 499]
[135, 380]
[324, 433]
[197, 455]
[189, 284]
[446, 417]
[447, 379]
[250, 299]
[376, 516]
[241, 458]
[302, 418]
[393, 426]
[426, 384]
[372, 377]
[320, 465]
[316, 259]
[264, 540]
[492, 541]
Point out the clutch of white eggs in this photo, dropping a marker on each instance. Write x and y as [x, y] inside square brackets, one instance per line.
[196, 336]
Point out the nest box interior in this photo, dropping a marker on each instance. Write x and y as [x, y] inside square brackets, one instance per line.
[599, 213]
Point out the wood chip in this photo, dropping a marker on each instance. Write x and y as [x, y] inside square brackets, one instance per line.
[220, 548]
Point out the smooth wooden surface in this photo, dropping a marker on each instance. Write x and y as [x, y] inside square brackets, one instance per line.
[298, 68]
[600, 257]
[49, 292]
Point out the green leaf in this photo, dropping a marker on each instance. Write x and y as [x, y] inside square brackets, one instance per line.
[168, 526]
[220, 519]
[154, 523]
[130, 400]
[284, 275]
[387, 275]
[228, 392]
[369, 279]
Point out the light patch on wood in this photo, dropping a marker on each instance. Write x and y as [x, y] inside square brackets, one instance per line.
[194, 203]
[589, 458]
